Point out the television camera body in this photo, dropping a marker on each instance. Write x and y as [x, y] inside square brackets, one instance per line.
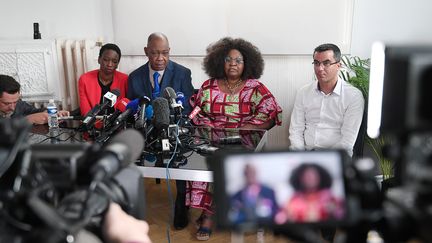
[52, 192]
[399, 214]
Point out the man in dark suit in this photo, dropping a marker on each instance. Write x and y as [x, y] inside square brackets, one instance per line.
[169, 74]
[166, 73]
[255, 202]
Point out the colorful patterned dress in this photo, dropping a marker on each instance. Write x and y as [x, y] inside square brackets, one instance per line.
[253, 104]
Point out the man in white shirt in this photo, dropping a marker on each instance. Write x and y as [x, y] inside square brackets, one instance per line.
[327, 113]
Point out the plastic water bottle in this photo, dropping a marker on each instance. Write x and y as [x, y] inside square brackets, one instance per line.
[52, 114]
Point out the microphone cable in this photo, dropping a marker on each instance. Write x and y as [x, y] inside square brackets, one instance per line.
[168, 179]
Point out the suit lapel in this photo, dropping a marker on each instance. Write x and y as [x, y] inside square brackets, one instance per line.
[168, 75]
[146, 78]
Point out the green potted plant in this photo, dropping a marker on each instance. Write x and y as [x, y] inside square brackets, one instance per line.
[356, 71]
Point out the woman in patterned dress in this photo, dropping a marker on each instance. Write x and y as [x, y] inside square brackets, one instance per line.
[232, 98]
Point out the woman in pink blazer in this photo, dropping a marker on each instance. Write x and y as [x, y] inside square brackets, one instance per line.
[94, 84]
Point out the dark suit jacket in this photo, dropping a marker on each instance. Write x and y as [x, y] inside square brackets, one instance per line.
[23, 109]
[243, 212]
[175, 76]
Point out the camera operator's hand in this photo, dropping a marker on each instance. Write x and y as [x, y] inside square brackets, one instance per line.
[120, 227]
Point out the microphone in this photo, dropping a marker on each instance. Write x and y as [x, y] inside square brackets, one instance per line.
[171, 96]
[109, 99]
[194, 112]
[130, 109]
[161, 119]
[180, 98]
[119, 107]
[140, 123]
[149, 112]
[123, 149]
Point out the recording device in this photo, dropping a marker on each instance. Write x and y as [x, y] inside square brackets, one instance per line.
[51, 192]
[109, 100]
[280, 189]
[122, 150]
[400, 77]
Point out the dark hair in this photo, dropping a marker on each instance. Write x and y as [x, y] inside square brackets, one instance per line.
[296, 177]
[8, 85]
[110, 46]
[329, 47]
[215, 59]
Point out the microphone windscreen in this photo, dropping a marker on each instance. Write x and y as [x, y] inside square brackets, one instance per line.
[169, 93]
[128, 145]
[161, 112]
[149, 112]
[180, 98]
[133, 105]
[121, 104]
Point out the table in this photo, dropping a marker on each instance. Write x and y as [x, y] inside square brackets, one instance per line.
[196, 168]
[41, 134]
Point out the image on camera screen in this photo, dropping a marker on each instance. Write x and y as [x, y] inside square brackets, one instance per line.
[280, 188]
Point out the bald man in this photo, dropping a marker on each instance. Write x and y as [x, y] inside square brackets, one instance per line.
[169, 74]
[150, 80]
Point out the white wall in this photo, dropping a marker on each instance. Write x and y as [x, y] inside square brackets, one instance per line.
[391, 21]
[77, 19]
[388, 20]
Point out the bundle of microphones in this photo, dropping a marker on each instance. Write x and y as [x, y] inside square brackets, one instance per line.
[162, 123]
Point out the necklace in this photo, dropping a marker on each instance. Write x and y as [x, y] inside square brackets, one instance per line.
[232, 88]
[104, 82]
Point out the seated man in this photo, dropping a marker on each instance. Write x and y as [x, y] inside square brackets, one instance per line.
[11, 105]
[150, 80]
[327, 113]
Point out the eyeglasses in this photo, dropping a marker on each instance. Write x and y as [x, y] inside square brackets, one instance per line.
[326, 63]
[238, 60]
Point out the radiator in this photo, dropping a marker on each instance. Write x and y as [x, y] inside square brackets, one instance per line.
[75, 57]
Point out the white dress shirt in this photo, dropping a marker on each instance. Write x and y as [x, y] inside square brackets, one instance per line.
[326, 121]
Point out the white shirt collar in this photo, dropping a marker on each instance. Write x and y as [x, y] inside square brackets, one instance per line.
[337, 90]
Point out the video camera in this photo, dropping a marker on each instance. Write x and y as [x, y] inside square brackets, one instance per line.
[267, 189]
[51, 192]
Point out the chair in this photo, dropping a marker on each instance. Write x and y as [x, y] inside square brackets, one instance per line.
[359, 143]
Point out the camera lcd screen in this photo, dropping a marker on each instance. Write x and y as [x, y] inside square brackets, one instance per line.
[279, 188]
